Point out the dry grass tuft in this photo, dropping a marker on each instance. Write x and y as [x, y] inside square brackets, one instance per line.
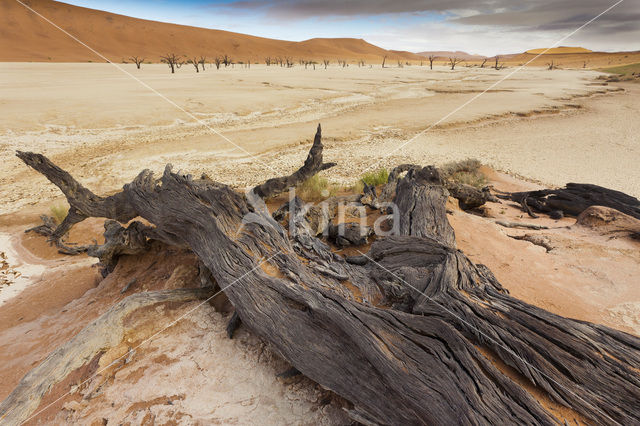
[465, 172]
[315, 188]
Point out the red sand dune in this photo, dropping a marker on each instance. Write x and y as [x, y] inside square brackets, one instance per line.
[24, 36]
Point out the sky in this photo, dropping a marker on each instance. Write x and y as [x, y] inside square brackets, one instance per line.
[486, 27]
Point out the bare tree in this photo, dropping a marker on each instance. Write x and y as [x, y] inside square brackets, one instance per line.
[431, 58]
[551, 66]
[217, 60]
[454, 61]
[484, 61]
[400, 64]
[267, 60]
[361, 63]
[226, 60]
[497, 65]
[584, 64]
[202, 61]
[138, 61]
[195, 63]
[384, 60]
[288, 61]
[326, 63]
[174, 61]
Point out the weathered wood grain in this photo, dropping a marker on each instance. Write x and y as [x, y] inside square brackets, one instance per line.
[399, 332]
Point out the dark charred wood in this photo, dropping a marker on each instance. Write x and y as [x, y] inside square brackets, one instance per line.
[469, 197]
[421, 199]
[48, 229]
[119, 241]
[312, 165]
[349, 234]
[401, 337]
[288, 373]
[573, 199]
[389, 190]
[370, 197]
[233, 324]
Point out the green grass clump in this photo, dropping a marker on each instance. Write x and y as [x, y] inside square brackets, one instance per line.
[465, 172]
[315, 188]
[378, 177]
[59, 212]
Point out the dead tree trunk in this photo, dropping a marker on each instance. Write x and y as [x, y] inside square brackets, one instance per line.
[573, 199]
[401, 334]
[137, 60]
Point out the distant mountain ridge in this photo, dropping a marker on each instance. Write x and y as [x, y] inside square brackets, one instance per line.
[449, 54]
[24, 36]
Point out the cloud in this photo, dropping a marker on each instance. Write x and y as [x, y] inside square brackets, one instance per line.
[480, 23]
[540, 14]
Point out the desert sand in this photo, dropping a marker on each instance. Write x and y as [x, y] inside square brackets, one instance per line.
[105, 126]
[546, 127]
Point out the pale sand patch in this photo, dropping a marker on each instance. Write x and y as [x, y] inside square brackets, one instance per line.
[105, 127]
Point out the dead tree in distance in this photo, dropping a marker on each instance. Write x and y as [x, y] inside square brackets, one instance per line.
[195, 63]
[267, 60]
[384, 60]
[202, 61]
[431, 58]
[226, 60]
[136, 60]
[326, 63]
[174, 61]
[454, 61]
[484, 61]
[497, 65]
[217, 60]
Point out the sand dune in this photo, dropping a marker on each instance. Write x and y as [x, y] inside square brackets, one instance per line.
[24, 36]
[558, 50]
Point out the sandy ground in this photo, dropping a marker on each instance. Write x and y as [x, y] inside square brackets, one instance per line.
[104, 126]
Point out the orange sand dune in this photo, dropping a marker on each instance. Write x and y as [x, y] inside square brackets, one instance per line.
[586, 59]
[26, 37]
[559, 50]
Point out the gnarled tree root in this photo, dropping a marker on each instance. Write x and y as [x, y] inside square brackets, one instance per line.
[401, 334]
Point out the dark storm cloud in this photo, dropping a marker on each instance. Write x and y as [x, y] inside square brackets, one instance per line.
[314, 8]
[531, 14]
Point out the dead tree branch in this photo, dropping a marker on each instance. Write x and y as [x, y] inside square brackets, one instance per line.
[401, 332]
